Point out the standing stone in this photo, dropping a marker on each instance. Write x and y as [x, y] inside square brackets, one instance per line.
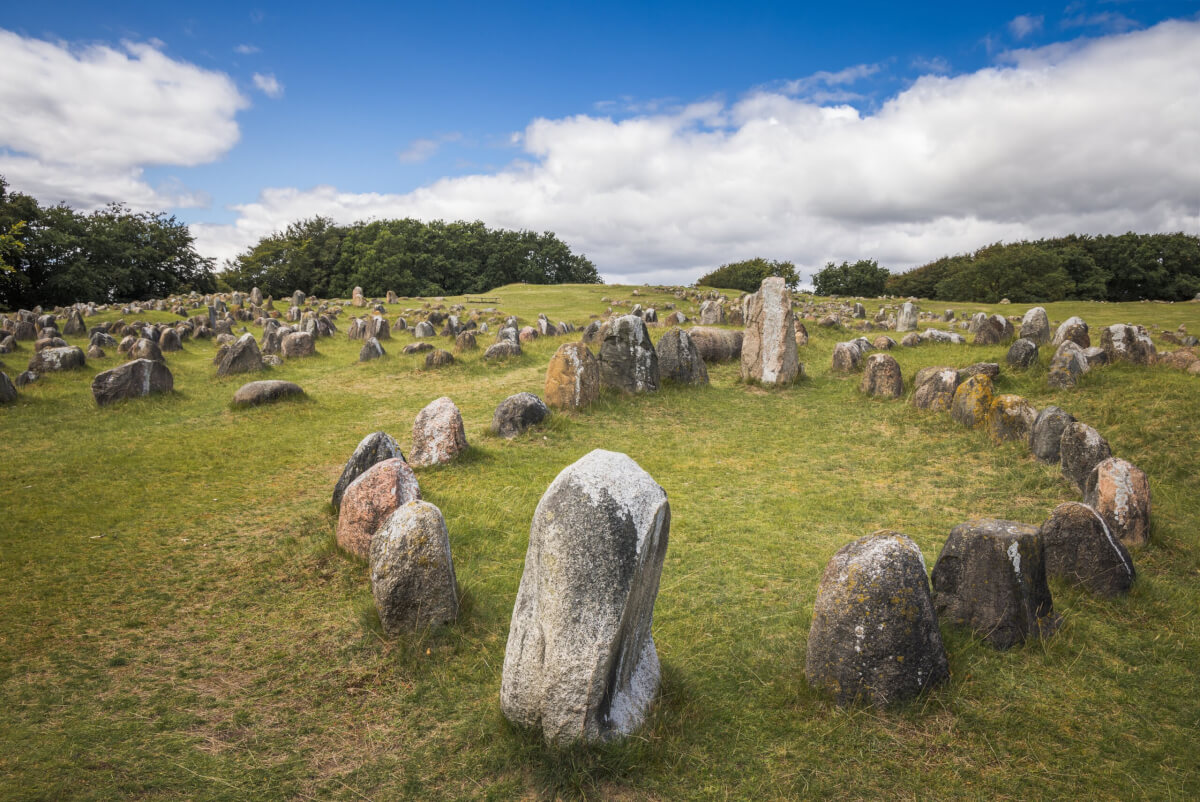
[8, 393]
[580, 663]
[712, 313]
[146, 349]
[628, 361]
[935, 389]
[769, 341]
[972, 401]
[423, 329]
[75, 327]
[501, 350]
[49, 360]
[136, 379]
[572, 378]
[881, 376]
[847, 356]
[1035, 326]
[678, 359]
[517, 413]
[1081, 549]
[1022, 354]
[465, 341]
[1081, 449]
[356, 297]
[1066, 366]
[801, 333]
[991, 578]
[1010, 418]
[860, 311]
[371, 349]
[169, 342]
[990, 331]
[375, 447]
[1123, 342]
[438, 358]
[1074, 330]
[874, 636]
[716, 345]
[243, 356]
[1045, 437]
[256, 296]
[1120, 492]
[377, 327]
[370, 500]
[438, 434]
[907, 319]
[298, 298]
[412, 573]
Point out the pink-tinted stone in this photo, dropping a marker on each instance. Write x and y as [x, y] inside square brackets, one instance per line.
[370, 500]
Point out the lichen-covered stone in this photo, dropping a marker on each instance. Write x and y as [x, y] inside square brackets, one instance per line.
[146, 349]
[847, 356]
[438, 358]
[769, 341]
[412, 572]
[935, 388]
[298, 344]
[712, 313]
[1035, 326]
[503, 349]
[169, 342]
[136, 379]
[1120, 492]
[989, 369]
[1045, 436]
[991, 578]
[1126, 343]
[628, 361]
[438, 434]
[580, 663]
[49, 360]
[907, 319]
[882, 377]
[1011, 417]
[242, 356]
[1075, 330]
[517, 413]
[1022, 354]
[371, 349]
[1081, 449]
[874, 636]
[1066, 366]
[465, 341]
[678, 359]
[265, 392]
[972, 401]
[375, 447]
[1081, 549]
[423, 329]
[572, 378]
[370, 500]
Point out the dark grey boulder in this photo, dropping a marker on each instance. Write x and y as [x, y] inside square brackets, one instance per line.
[502, 350]
[371, 349]
[990, 331]
[517, 413]
[272, 342]
[628, 361]
[679, 360]
[882, 377]
[136, 379]
[1127, 343]
[424, 329]
[1066, 366]
[412, 572]
[169, 341]
[438, 358]
[8, 392]
[874, 636]
[375, 447]
[103, 340]
[26, 377]
[298, 344]
[1096, 356]
[1045, 437]
[991, 578]
[580, 663]
[989, 369]
[416, 348]
[55, 359]
[935, 388]
[265, 392]
[1082, 550]
[1022, 354]
[243, 356]
[1081, 449]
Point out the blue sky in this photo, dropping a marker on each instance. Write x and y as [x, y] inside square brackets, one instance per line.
[662, 139]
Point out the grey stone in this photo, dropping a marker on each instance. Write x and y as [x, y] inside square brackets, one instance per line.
[265, 392]
[55, 359]
[371, 349]
[1082, 550]
[146, 349]
[412, 572]
[438, 358]
[716, 345]
[1022, 354]
[882, 377]
[243, 356]
[517, 413]
[580, 663]
[438, 435]
[416, 348]
[375, 447]
[1035, 326]
[1127, 343]
[991, 578]
[8, 393]
[907, 319]
[712, 313]
[423, 329]
[769, 341]
[297, 344]
[934, 388]
[1066, 366]
[679, 360]
[628, 361]
[1074, 330]
[169, 341]
[1045, 436]
[874, 636]
[136, 379]
[1120, 492]
[1081, 449]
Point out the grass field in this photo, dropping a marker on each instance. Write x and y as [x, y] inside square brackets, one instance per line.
[176, 623]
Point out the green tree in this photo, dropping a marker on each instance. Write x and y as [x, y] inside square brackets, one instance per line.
[748, 275]
[863, 278]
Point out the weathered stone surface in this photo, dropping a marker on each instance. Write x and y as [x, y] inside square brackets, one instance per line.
[907, 319]
[572, 378]
[769, 341]
[801, 334]
[438, 434]
[371, 349]
[1081, 549]
[679, 360]
[991, 578]
[874, 636]
[1010, 418]
[146, 349]
[49, 342]
[847, 356]
[716, 345]
[881, 376]
[990, 331]
[265, 392]
[49, 360]
[580, 663]
[989, 369]
[75, 327]
[1081, 449]
[517, 413]
[712, 313]
[1066, 366]
[136, 379]
[1045, 436]
[1074, 330]
[169, 341]
[424, 329]
[297, 344]
[375, 447]
[96, 352]
[412, 572]
[465, 341]
[370, 500]
[8, 392]
[972, 401]
[628, 361]
[911, 340]
[1035, 326]
[502, 350]
[416, 348]
[1126, 343]
[438, 358]
[1120, 492]
[935, 388]
[1022, 354]
[243, 356]
[883, 343]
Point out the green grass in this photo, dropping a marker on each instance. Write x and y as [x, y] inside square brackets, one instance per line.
[176, 622]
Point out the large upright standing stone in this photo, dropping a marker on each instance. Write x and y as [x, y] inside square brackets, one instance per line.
[1120, 492]
[907, 319]
[679, 360]
[572, 378]
[769, 342]
[972, 401]
[1081, 549]
[1035, 326]
[628, 361]
[882, 377]
[1045, 437]
[412, 572]
[243, 356]
[438, 434]
[1081, 449]
[874, 634]
[935, 388]
[1126, 343]
[580, 663]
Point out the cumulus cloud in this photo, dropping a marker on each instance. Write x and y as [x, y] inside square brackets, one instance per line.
[81, 123]
[1025, 24]
[268, 84]
[1098, 136]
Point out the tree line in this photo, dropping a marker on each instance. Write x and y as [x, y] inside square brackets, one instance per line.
[747, 275]
[409, 257]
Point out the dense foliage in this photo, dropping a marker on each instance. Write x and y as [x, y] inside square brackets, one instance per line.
[1126, 267]
[748, 275]
[54, 255]
[408, 256]
[864, 278]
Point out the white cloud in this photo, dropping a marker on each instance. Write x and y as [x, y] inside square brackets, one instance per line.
[1100, 136]
[1113, 21]
[849, 75]
[81, 123]
[1025, 24]
[268, 84]
[420, 150]
[246, 49]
